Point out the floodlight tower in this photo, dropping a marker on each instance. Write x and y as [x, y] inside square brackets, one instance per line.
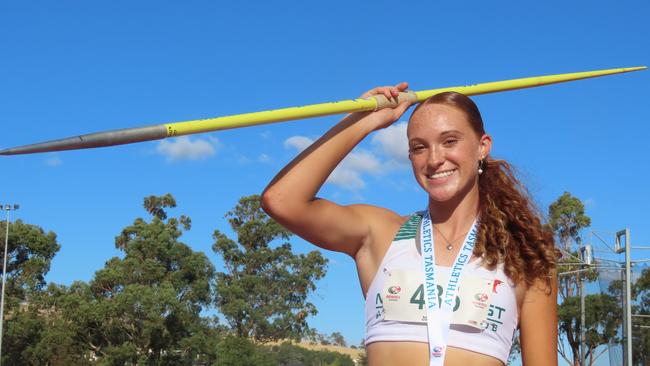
[587, 258]
[623, 244]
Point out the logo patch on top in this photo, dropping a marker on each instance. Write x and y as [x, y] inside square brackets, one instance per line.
[496, 284]
[437, 351]
[394, 290]
[481, 297]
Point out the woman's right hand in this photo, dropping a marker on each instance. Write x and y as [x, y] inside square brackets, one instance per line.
[387, 116]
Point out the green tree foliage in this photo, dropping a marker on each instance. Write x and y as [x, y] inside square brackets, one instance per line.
[602, 319]
[30, 252]
[237, 351]
[145, 307]
[287, 354]
[51, 328]
[338, 339]
[363, 359]
[515, 349]
[263, 291]
[566, 217]
[641, 329]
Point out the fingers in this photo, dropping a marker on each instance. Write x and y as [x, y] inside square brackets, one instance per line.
[402, 86]
[389, 92]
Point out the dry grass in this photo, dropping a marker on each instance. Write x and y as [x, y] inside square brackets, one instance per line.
[354, 353]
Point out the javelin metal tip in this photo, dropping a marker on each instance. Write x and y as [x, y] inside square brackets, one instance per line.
[91, 140]
[7, 152]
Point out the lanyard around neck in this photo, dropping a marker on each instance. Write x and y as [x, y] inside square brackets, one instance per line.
[439, 305]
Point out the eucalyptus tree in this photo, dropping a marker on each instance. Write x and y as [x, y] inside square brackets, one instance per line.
[263, 289]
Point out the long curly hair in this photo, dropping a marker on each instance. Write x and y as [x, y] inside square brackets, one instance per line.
[510, 229]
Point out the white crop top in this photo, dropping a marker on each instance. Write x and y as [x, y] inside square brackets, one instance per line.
[495, 339]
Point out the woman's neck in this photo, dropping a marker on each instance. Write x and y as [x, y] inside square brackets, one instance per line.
[456, 214]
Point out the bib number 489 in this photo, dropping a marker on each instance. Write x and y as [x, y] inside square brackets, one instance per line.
[418, 298]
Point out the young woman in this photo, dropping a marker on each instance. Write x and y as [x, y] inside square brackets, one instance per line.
[481, 238]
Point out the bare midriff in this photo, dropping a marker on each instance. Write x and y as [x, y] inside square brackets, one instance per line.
[416, 354]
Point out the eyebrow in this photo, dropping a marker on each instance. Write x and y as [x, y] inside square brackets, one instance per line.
[450, 132]
[442, 134]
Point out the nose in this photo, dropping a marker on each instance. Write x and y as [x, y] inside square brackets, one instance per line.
[435, 158]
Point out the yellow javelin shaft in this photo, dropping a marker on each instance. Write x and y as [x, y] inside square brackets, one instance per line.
[155, 132]
[361, 104]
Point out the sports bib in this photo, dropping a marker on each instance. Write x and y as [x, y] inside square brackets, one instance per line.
[403, 298]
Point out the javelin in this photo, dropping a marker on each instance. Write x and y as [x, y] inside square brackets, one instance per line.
[375, 102]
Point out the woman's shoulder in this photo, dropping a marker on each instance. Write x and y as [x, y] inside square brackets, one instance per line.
[380, 215]
[385, 223]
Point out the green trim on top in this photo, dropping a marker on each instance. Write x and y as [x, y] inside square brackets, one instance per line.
[409, 229]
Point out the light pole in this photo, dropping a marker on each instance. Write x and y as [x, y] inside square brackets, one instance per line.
[587, 257]
[623, 243]
[7, 208]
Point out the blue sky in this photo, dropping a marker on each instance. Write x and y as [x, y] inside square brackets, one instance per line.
[73, 67]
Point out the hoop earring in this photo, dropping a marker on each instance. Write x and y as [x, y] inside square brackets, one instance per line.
[480, 167]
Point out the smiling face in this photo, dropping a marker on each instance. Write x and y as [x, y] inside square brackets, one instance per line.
[445, 151]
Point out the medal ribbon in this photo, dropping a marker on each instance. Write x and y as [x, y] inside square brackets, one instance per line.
[439, 314]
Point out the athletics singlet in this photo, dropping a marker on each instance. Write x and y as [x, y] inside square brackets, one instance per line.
[484, 311]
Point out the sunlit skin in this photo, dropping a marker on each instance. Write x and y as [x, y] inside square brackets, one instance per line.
[440, 141]
[445, 151]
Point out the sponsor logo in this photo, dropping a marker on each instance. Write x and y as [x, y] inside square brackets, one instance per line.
[495, 285]
[394, 290]
[481, 297]
[437, 351]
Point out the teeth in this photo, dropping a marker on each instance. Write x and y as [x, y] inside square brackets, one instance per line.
[442, 174]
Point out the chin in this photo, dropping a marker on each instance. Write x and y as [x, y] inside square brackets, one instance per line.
[443, 193]
[441, 197]
[439, 194]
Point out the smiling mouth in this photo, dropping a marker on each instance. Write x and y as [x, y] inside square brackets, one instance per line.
[442, 174]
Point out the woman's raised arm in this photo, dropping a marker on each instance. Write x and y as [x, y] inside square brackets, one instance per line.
[290, 198]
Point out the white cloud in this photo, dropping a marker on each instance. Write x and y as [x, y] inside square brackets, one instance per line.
[393, 143]
[265, 134]
[298, 142]
[263, 158]
[53, 161]
[348, 174]
[214, 141]
[242, 159]
[183, 148]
